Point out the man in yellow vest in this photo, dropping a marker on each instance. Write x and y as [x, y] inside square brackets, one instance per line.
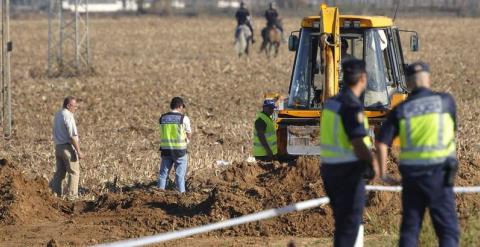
[426, 125]
[345, 153]
[265, 133]
[175, 134]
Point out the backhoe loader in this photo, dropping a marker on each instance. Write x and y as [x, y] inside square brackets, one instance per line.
[317, 75]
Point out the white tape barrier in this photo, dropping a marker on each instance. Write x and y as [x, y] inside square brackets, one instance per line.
[256, 217]
[360, 237]
[219, 225]
[468, 189]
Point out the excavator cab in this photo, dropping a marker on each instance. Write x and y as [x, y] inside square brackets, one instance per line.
[320, 46]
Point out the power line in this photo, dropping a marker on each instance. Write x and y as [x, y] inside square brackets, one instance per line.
[68, 38]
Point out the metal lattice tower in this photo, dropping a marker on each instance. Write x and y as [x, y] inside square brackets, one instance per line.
[5, 50]
[68, 40]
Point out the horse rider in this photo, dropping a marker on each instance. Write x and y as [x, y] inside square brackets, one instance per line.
[243, 18]
[265, 133]
[271, 15]
[345, 153]
[426, 125]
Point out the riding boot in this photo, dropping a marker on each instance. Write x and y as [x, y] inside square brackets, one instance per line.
[249, 25]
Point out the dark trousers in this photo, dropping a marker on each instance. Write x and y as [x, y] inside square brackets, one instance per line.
[275, 23]
[249, 25]
[345, 187]
[424, 187]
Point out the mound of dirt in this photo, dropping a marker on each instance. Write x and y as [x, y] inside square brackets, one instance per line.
[242, 188]
[212, 195]
[25, 201]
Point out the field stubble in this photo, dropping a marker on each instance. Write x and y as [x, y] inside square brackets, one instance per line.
[141, 63]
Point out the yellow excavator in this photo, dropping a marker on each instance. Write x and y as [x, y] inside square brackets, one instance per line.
[320, 45]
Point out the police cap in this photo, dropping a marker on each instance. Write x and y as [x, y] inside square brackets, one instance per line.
[416, 67]
[269, 103]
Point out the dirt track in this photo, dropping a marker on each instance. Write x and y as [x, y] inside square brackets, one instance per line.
[137, 72]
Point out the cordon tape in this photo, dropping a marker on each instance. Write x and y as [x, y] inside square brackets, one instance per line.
[266, 214]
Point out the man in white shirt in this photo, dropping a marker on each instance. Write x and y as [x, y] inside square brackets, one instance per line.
[67, 150]
[175, 134]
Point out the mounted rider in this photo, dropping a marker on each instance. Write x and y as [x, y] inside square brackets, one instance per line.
[244, 18]
[271, 15]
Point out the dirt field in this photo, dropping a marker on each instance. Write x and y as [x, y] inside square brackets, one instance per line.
[140, 63]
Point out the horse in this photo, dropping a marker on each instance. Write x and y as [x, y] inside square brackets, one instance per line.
[272, 37]
[243, 40]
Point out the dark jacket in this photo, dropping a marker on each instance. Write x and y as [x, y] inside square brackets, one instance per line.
[272, 16]
[242, 15]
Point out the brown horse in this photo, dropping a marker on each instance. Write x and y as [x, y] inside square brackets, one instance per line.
[272, 37]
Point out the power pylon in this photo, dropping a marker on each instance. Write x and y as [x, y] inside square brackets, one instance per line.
[5, 50]
[68, 39]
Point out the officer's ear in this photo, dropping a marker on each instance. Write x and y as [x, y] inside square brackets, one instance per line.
[363, 80]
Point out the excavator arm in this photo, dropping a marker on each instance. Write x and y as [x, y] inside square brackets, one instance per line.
[330, 43]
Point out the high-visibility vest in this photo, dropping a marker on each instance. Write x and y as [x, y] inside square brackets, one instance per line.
[270, 135]
[173, 134]
[427, 133]
[335, 146]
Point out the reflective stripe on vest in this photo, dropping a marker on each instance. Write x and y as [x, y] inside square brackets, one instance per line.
[270, 136]
[335, 144]
[173, 134]
[427, 134]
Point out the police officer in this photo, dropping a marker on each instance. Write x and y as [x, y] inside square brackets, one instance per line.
[176, 132]
[265, 133]
[426, 125]
[345, 153]
[243, 18]
[271, 15]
